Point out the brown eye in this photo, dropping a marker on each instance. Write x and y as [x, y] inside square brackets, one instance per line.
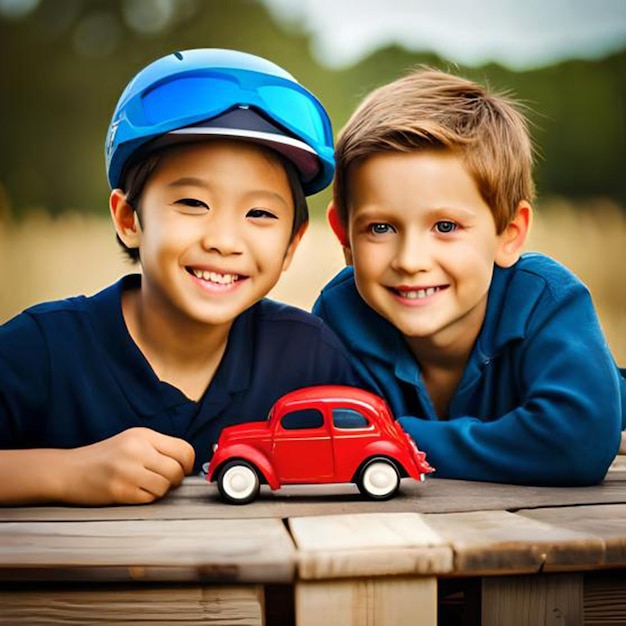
[192, 203]
[261, 213]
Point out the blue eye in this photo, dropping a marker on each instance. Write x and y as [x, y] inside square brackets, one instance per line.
[381, 229]
[445, 227]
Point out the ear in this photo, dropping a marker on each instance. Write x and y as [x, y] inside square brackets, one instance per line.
[124, 218]
[340, 232]
[512, 239]
[293, 245]
[335, 223]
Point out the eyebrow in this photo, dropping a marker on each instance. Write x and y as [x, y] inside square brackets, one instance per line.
[435, 213]
[188, 181]
[452, 211]
[373, 214]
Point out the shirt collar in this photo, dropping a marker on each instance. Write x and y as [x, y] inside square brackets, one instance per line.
[513, 294]
[144, 391]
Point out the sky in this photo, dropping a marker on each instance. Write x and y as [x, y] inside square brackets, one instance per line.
[520, 34]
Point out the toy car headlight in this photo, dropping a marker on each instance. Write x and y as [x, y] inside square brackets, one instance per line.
[214, 448]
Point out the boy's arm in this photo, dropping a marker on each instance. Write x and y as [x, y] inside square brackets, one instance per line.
[137, 466]
[566, 428]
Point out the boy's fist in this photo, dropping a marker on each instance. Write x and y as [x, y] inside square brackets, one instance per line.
[136, 466]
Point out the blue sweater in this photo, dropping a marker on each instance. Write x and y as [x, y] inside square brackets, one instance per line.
[71, 375]
[541, 400]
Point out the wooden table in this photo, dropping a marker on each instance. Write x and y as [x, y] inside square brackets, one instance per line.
[508, 555]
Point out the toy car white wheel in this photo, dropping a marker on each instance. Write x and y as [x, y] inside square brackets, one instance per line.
[238, 482]
[379, 479]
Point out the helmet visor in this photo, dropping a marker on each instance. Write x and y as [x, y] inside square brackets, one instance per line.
[189, 98]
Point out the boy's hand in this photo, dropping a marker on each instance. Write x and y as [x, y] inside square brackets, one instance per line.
[622, 445]
[137, 466]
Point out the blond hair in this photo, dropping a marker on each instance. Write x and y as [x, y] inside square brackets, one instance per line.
[431, 109]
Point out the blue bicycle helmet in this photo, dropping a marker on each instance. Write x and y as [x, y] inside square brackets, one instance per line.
[191, 94]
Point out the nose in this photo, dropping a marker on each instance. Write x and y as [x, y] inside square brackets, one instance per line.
[222, 234]
[413, 253]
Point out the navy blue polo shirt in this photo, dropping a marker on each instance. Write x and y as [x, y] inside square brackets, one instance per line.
[71, 375]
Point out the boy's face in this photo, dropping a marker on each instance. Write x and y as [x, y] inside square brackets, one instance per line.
[216, 220]
[423, 244]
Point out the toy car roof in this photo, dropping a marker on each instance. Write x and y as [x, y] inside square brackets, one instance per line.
[333, 394]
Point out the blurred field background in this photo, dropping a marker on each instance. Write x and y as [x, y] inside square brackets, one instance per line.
[65, 63]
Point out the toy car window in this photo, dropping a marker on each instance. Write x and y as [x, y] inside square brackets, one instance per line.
[304, 418]
[349, 418]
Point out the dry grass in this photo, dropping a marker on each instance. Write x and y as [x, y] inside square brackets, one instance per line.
[44, 258]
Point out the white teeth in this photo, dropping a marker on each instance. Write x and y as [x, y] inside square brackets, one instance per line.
[214, 277]
[419, 293]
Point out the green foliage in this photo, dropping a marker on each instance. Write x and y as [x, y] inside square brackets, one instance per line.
[66, 63]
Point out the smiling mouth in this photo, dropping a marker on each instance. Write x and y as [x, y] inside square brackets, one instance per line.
[418, 294]
[215, 277]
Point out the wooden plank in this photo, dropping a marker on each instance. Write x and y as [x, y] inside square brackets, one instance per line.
[492, 542]
[540, 600]
[605, 522]
[196, 499]
[605, 598]
[218, 606]
[341, 546]
[209, 550]
[401, 601]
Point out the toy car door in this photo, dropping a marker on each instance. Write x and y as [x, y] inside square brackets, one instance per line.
[353, 430]
[303, 449]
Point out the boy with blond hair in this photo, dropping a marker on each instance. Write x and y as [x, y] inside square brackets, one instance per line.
[492, 360]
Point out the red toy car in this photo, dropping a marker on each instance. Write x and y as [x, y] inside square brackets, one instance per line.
[324, 434]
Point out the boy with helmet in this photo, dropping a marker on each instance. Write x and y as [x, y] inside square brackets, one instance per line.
[114, 398]
[492, 360]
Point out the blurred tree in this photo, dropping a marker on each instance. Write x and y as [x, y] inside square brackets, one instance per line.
[65, 62]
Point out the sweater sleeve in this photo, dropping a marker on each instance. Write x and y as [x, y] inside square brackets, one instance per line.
[24, 379]
[566, 428]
